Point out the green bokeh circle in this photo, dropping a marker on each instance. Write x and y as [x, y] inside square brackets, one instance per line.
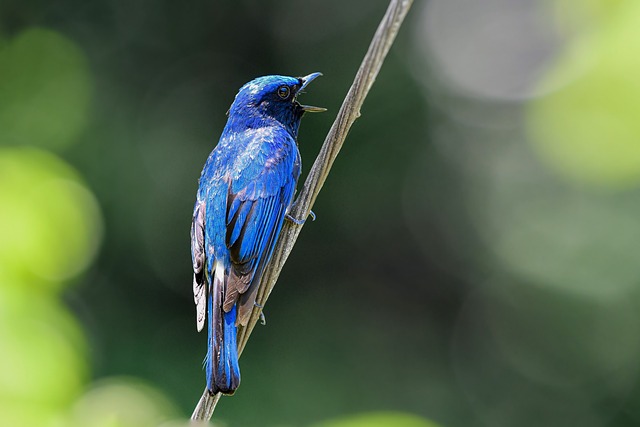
[122, 402]
[43, 357]
[50, 223]
[45, 90]
[588, 130]
[378, 419]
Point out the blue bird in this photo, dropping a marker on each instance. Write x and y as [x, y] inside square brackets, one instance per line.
[244, 193]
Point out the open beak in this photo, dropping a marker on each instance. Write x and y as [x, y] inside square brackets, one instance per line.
[305, 81]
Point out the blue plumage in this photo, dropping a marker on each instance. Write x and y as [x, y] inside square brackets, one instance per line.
[245, 189]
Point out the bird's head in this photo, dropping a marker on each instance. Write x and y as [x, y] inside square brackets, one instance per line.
[273, 97]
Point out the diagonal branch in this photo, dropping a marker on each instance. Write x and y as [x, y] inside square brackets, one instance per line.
[349, 112]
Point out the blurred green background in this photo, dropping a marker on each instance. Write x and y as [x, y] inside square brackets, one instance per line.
[475, 261]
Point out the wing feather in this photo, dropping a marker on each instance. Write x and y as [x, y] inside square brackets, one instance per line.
[247, 300]
[198, 260]
[254, 219]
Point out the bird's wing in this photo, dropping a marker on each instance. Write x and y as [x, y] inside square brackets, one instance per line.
[255, 213]
[198, 259]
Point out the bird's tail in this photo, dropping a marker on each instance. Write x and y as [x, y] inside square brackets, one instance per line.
[223, 370]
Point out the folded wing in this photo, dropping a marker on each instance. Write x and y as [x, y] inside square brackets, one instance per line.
[255, 213]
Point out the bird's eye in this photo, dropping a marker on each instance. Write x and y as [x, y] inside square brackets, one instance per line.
[283, 92]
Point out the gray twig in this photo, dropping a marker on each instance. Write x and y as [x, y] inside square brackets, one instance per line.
[349, 112]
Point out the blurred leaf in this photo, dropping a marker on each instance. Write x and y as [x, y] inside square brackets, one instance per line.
[50, 223]
[378, 419]
[584, 15]
[122, 402]
[30, 415]
[588, 130]
[43, 358]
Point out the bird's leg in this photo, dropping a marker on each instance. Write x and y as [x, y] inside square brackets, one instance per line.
[263, 320]
[300, 221]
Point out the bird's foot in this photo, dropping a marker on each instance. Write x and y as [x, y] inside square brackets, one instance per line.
[300, 221]
[263, 320]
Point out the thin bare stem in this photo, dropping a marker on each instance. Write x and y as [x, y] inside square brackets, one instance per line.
[349, 112]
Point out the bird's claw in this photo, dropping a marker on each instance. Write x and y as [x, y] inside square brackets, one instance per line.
[294, 220]
[300, 221]
[263, 320]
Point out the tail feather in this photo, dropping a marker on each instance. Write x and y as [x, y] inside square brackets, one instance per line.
[223, 370]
